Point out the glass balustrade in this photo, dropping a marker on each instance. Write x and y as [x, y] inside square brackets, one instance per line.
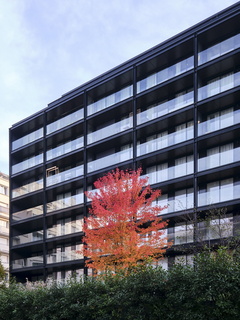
[27, 188]
[175, 205]
[65, 202]
[62, 229]
[165, 74]
[27, 262]
[110, 160]
[110, 130]
[65, 175]
[65, 148]
[218, 192]
[170, 173]
[28, 163]
[65, 255]
[219, 49]
[65, 121]
[110, 100]
[165, 141]
[163, 108]
[27, 213]
[219, 159]
[219, 122]
[219, 85]
[28, 237]
[28, 138]
[183, 233]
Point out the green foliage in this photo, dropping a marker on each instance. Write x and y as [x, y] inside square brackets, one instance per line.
[209, 290]
[2, 272]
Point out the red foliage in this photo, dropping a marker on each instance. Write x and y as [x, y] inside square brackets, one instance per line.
[123, 229]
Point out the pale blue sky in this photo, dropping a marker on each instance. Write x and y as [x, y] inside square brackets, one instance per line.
[49, 47]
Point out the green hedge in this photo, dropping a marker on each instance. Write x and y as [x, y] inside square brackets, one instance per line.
[209, 290]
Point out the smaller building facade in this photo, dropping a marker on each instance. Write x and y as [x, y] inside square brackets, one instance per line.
[4, 221]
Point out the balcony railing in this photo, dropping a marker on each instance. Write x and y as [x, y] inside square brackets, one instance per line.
[110, 100]
[219, 49]
[175, 205]
[165, 141]
[170, 173]
[67, 228]
[28, 163]
[65, 202]
[28, 213]
[65, 121]
[27, 262]
[219, 85]
[33, 136]
[219, 159]
[27, 188]
[218, 194]
[110, 160]
[110, 130]
[65, 148]
[165, 74]
[223, 121]
[65, 175]
[28, 237]
[68, 255]
[161, 109]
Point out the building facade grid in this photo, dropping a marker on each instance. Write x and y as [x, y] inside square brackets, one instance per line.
[173, 110]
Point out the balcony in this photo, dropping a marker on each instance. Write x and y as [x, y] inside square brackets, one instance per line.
[27, 262]
[219, 85]
[28, 163]
[219, 191]
[28, 237]
[219, 159]
[161, 109]
[165, 74]
[65, 175]
[27, 188]
[65, 121]
[110, 160]
[110, 100]
[27, 213]
[226, 119]
[219, 49]
[165, 140]
[33, 136]
[65, 148]
[110, 130]
[166, 173]
[65, 203]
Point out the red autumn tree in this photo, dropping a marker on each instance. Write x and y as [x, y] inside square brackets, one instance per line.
[123, 229]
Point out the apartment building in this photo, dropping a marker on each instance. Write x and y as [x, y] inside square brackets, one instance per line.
[173, 110]
[4, 221]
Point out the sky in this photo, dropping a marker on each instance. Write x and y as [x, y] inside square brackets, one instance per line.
[49, 47]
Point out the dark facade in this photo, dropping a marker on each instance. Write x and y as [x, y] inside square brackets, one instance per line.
[173, 110]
